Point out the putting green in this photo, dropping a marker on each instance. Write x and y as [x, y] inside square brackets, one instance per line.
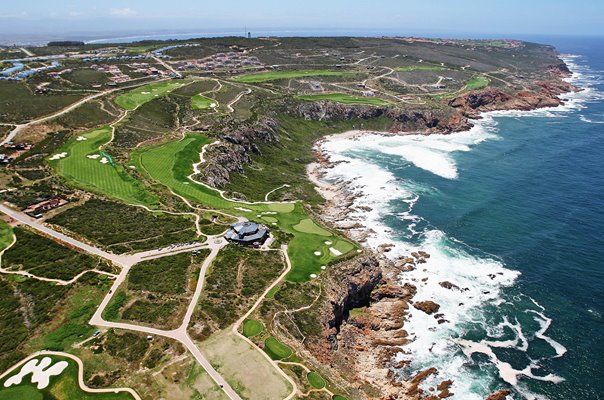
[316, 380]
[276, 75]
[344, 99]
[309, 226]
[141, 95]
[277, 350]
[251, 328]
[93, 175]
[199, 102]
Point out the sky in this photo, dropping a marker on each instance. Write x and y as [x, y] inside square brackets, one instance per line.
[404, 17]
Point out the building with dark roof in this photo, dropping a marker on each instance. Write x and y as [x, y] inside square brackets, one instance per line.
[247, 233]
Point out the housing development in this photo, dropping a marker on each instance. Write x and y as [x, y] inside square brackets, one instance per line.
[166, 231]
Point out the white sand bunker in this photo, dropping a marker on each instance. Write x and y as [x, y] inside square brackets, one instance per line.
[213, 105]
[269, 213]
[80, 138]
[335, 252]
[243, 209]
[145, 92]
[323, 267]
[359, 251]
[93, 156]
[317, 253]
[58, 156]
[274, 223]
[327, 242]
[313, 275]
[104, 160]
[40, 372]
[132, 166]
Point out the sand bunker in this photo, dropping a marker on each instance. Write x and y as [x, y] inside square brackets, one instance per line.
[313, 275]
[145, 92]
[317, 253]
[104, 160]
[80, 138]
[243, 209]
[58, 156]
[41, 372]
[323, 267]
[335, 252]
[93, 156]
[327, 242]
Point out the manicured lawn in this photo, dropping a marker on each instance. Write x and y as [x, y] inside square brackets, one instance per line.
[6, 235]
[344, 99]
[315, 380]
[138, 96]
[309, 226]
[251, 327]
[62, 387]
[477, 82]
[171, 163]
[199, 102]
[276, 350]
[92, 175]
[276, 75]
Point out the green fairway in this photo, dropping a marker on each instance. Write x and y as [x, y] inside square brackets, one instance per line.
[6, 235]
[199, 102]
[251, 328]
[411, 68]
[344, 99]
[62, 387]
[276, 75]
[315, 380]
[477, 82]
[171, 163]
[141, 95]
[93, 175]
[276, 350]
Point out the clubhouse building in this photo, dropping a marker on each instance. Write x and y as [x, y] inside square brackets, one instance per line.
[247, 233]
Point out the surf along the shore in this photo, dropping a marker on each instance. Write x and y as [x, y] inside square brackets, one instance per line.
[484, 337]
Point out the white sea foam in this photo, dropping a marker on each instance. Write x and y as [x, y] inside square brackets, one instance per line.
[480, 278]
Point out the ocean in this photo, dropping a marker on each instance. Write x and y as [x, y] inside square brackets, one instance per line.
[512, 213]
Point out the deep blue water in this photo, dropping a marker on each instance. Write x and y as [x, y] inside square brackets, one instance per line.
[523, 193]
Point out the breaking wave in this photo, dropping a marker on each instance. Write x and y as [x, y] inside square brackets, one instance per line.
[478, 320]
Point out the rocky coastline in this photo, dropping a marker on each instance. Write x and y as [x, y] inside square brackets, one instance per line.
[370, 295]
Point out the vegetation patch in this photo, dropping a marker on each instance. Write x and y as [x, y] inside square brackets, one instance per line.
[277, 350]
[344, 99]
[43, 257]
[123, 228]
[276, 75]
[237, 277]
[167, 275]
[6, 235]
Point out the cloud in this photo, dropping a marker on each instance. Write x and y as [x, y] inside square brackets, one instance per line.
[123, 12]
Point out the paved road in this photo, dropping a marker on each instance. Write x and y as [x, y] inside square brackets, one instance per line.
[39, 226]
[215, 244]
[19, 127]
[180, 334]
